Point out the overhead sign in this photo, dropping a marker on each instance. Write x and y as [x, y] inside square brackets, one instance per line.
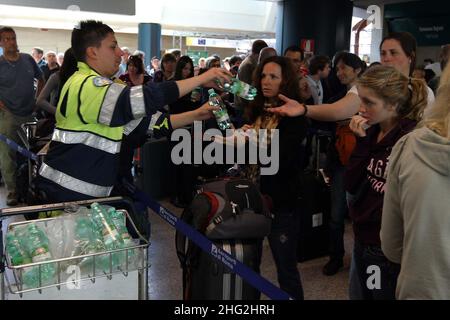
[125, 7]
[427, 31]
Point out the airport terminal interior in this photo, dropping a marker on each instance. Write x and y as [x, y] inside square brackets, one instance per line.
[378, 69]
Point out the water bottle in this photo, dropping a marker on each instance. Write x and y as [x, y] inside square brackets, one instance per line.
[37, 246]
[120, 223]
[15, 250]
[222, 117]
[110, 234]
[196, 94]
[88, 240]
[239, 88]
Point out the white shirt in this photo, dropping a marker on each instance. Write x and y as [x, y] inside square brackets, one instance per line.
[316, 89]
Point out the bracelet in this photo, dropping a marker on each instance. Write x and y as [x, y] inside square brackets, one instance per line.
[306, 110]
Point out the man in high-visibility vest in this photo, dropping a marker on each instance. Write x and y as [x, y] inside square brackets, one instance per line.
[93, 112]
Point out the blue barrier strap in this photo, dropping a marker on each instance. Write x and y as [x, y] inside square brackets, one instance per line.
[13, 145]
[206, 245]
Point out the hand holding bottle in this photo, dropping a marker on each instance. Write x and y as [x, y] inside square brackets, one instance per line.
[215, 77]
[359, 125]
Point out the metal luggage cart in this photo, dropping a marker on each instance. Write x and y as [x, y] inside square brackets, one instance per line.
[116, 278]
[27, 134]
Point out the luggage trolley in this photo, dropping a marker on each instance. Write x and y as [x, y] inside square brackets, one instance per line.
[128, 281]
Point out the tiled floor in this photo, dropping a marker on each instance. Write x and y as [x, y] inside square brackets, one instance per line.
[165, 273]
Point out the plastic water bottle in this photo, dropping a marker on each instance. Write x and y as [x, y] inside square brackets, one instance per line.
[102, 220]
[15, 250]
[222, 117]
[88, 240]
[37, 245]
[120, 223]
[111, 236]
[239, 88]
[196, 94]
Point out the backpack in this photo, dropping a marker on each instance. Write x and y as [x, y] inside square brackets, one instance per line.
[230, 209]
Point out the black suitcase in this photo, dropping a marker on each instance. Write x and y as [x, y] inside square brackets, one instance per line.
[314, 206]
[212, 280]
[157, 178]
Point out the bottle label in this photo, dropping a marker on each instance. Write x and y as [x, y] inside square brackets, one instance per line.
[110, 236]
[243, 92]
[223, 118]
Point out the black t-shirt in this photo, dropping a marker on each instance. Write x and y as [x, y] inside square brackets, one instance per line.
[284, 186]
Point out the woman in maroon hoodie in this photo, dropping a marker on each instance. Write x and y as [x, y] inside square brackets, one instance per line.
[391, 105]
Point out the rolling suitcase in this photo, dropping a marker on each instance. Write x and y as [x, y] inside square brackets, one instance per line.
[157, 179]
[314, 205]
[212, 280]
[234, 215]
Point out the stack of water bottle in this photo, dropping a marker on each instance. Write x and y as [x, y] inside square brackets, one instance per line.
[93, 232]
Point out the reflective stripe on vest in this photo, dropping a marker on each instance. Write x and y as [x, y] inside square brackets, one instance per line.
[130, 126]
[72, 183]
[109, 103]
[153, 120]
[86, 138]
[137, 101]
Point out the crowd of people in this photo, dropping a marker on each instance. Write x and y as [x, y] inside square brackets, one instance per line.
[388, 162]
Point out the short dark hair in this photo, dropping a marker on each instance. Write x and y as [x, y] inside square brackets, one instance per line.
[258, 45]
[408, 44]
[295, 48]
[6, 29]
[351, 60]
[318, 63]
[137, 62]
[234, 59]
[176, 53]
[39, 50]
[89, 33]
[167, 57]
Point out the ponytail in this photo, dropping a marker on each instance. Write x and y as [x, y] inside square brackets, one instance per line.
[417, 100]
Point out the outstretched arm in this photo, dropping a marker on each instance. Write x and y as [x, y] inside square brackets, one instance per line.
[205, 79]
[340, 110]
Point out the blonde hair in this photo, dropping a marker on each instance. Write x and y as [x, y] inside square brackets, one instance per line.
[410, 95]
[438, 118]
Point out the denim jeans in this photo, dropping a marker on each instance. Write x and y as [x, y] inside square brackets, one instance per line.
[365, 281]
[339, 210]
[283, 241]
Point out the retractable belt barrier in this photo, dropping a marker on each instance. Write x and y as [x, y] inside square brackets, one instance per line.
[253, 278]
[13, 145]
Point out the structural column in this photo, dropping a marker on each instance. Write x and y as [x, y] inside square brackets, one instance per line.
[149, 40]
[327, 22]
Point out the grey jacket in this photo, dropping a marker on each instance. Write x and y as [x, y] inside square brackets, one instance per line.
[415, 229]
